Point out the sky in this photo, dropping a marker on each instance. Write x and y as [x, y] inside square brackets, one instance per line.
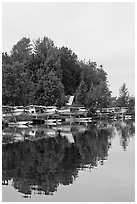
[103, 32]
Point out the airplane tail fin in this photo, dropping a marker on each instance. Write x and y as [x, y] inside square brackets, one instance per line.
[70, 101]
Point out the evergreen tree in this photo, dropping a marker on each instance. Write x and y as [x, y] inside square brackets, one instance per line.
[123, 98]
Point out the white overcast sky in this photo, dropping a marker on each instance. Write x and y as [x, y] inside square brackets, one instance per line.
[103, 32]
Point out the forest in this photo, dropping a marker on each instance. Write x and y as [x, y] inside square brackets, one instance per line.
[40, 73]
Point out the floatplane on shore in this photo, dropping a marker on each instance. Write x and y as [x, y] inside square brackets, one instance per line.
[51, 115]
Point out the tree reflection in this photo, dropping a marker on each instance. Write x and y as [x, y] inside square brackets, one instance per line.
[126, 130]
[43, 164]
[40, 166]
[93, 145]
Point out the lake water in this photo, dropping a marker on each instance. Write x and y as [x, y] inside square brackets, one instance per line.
[69, 163]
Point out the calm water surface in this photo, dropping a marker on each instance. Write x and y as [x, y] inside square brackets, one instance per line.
[69, 163]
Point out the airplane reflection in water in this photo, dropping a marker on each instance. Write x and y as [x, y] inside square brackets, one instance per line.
[15, 134]
[43, 158]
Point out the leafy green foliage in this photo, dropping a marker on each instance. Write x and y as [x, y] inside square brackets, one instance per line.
[49, 89]
[93, 91]
[21, 51]
[70, 70]
[40, 73]
[81, 93]
[6, 59]
[17, 89]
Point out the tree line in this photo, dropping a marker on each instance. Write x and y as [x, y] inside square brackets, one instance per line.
[41, 73]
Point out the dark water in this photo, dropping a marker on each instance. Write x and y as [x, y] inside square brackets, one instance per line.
[69, 163]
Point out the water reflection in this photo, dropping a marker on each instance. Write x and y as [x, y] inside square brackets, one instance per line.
[125, 130]
[39, 159]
